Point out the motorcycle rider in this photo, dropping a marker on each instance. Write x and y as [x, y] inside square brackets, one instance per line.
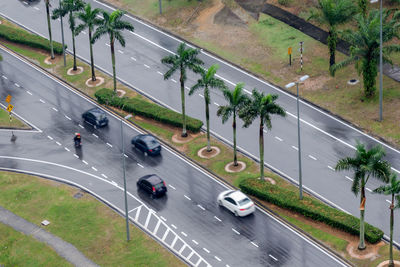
[77, 139]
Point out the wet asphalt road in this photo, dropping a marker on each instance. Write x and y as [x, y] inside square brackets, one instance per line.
[189, 210]
[324, 139]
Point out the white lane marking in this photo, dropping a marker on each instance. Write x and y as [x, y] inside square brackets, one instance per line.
[83, 32]
[105, 176]
[29, 92]
[227, 265]
[84, 161]
[187, 197]
[4, 77]
[201, 95]
[330, 167]
[172, 187]
[36, 8]
[173, 226]
[148, 219]
[108, 144]
[157, 226]
[279, 139]
[187, 88]
[295, 148]
[162, 218]
[125, 155]
[215, 103]
[81, 126]
[66, 148]
[94, 169]
[194, 241]
[183, 233]
[312, 157]
[275, 259]
[26, 3]
[41, 100]
[134, 59]
[95, 135]
[218, 219]
[190, 255]
[388, 201]
[108, 45]
[140, 206]
[254, 244]
[347, 177]
[120, 51]
[99, 16]
[76, 156]
[17, 85]
[236, 232]
[58, 19]
[182, 249]
[58, 143]
[68, 118]
[369, 190]
[51, 138]
[206, 250]
[218, 259]
[55, 109]
[147, 66]
[165, 234]
[200, 206]
[173, 80]
[140, 165]
[114, 183]
[160, 73]
[173, 242]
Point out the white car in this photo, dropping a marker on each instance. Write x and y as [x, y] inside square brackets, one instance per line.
[236, 202]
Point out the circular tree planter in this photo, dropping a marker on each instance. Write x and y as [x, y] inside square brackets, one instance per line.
[75, 72]
[203, 153]
[370, 252]
[269, 180]
[386, 263]
[120, 93]
[232, 168]
[97, 82]
[177, 138]
[49, 61]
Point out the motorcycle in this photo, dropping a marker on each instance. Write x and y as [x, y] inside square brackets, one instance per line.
[77, 142]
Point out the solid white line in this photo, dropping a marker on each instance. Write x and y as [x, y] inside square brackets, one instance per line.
[94, 169]
[85, 162]
[51, 138]
[171, 186]
[218, 259]
[140, 165]
[254, 244]
[275, 259]
[121, 52]
[17, 85]
[41, 100]
[235, 231]
[183, 233]
[29, 92]
[215, 103]
[218, 219]
[66, 148]
[201, 207]
[95, 135]
[369, 190]
[187, 197]
[105, 176]
[347, 177]
[147, 66]
[314, 158]
[173, 226]
[194, 241]
[173, 80]
[67, 117]
[108, 144]
[279, 139]
[206, 250]
[76, 156]
[81, 126]
[114, 183]
[165, 234]
[58, 143]
[160, 73]
[330, 167]
[134, 59]
[55, 109]
[295, 148]
[162, 218]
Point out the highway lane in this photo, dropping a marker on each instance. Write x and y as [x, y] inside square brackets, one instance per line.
[138, 65]
[189, 210]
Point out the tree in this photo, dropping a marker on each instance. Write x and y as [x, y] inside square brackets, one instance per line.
[89, 19]
[182, 60]
[112, 25]
[365, 164]
[333, 13]
[364, 50]
[237, 100]
[393, 189]
[261, 106]
[69, 7]
[47, 3]
[363, 6]
[208, 81]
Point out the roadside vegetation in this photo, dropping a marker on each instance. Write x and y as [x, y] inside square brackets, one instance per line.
[15, 122]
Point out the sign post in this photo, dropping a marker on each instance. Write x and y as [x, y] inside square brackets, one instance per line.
[290, 55]
[9, 109]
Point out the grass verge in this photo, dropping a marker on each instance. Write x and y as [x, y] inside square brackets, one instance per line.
[15, 123]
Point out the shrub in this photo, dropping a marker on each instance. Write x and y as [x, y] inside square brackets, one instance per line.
[309, 207]
[284, 2]
[143, 108]
[23, 37]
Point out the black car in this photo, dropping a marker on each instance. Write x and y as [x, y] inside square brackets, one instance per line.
[96, 117]
[152, 184]
[147, 144]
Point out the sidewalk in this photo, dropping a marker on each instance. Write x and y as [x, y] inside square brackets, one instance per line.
[64, 249]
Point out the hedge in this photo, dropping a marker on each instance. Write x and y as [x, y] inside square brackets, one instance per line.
[21, 36]
[144, 108]
[309, 207]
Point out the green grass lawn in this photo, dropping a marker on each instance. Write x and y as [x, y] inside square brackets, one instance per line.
[15, 122]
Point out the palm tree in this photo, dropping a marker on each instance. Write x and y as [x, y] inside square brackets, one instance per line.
[365, 164]
[393, 189]
[112, 25]
[362, 6]
[89, 19]
[261, 106]
[69, 7]
[237, 100]
[333, 13]
[184, 59]
[47, 3]
[207, 81]
[364, 50]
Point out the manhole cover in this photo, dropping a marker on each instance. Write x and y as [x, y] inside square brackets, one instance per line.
[78, 195]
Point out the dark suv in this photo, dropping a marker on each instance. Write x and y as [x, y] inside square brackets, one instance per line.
[96, 117]
[147, 144]
[153, 185]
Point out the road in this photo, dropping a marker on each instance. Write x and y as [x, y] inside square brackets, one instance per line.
[325, 139]
[188, 220]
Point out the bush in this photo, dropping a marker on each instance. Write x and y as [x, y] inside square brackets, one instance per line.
[309, 207]
[23, 37]
[146, 109]
[284, 2]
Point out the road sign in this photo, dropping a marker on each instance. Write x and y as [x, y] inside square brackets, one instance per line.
[10, 107]
[289, 51]
[8, 98]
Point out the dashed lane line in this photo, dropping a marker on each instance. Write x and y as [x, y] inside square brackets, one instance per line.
[17, 85]
[173, 80]
[388, 201]
[140, 165]
[36, 8]
[184, 234]
[120, 51]
[330, 167]
[275, 259]
[66, 148]
[215, 103]
[236, 232]
[125, 155]
[93, 168]
[312, 157]
[201, 95]
[173, 226]
[108, 144]
[134, 59]
[194, 241]
[76, 156]
[105, 176]
[206, 250]
[58, 143]
[107, 45]
[162, 218]
[29, 92]
[160, 73]
[56, 110]
[4, 77]
[218, 219]
[41, 100]
[81, 126]
[347, 177]
[187, 197]
[147, 66]
[95, 135]
[218, 259]
[172, 187]
[254, 244]
[51, 138]
[68, 118]
[369, 190]
[84, 161]
[295, 148]
[200, 206]
[279, 139]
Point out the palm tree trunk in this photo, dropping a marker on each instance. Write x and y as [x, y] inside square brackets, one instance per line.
[391, 263]
[332, 39]
[49, 26]
[261, 149]
[184, 133]
[208, 125]
[113, 63]
[369, 71]
[234, 139]
[73, 40]
[91, 55]
[361, 245]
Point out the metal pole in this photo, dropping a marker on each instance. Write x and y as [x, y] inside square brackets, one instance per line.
[159, 5]
[301, 56]
[380, 68]
[62, 36]
[299, 145]
[126, 198]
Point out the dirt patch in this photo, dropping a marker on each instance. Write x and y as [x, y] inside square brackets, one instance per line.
[370, 252]
[203, 153]
[177, 138]
[97, 82]
[71, 71]
[230, 167]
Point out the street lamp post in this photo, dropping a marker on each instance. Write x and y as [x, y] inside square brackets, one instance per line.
[62, 36]
[301, 80]
[123, 171]
[380, 61]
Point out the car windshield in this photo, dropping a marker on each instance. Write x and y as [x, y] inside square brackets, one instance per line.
[244, 201]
